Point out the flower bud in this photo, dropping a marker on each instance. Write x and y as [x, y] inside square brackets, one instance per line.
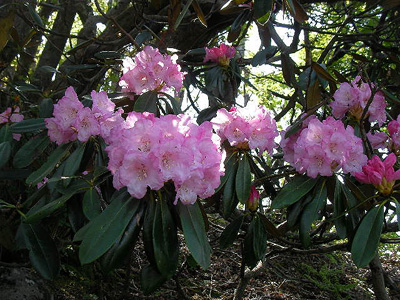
[252, 202]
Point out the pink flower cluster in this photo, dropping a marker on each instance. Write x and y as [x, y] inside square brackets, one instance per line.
[354, 97]
[380, 174]
[324, 147]
[151, 71]
[12, 115]
[74, 121]
[394, 131]
[150, 151]
[247, 128]
[221, 55]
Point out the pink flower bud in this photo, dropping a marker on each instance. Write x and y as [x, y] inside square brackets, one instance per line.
[252, 202]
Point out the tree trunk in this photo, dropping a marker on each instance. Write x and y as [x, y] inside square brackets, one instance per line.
[378, 281]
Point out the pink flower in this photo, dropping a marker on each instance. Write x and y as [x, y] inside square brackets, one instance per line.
[378, 140]
[221, 55]
[321, 148]
[380, 174]
[151, 71]
[354, 97]
[247, 128]
[86, 124]
[42, 183]
[12, 115]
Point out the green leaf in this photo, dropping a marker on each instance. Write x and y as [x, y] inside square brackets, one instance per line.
[262, 56]
[143, 37]
[230, 233]
[28, 152]
[207, 114]
[262, 8]
[243, 180]
[48, 209]
[147, 102]
[122, 248]
[165, 240]
[293, 191]
[108, 54]
[107, 228]
[72, 163]
[398, 213]
[42, 250]
[35, 16]
[5, 134]
[229, 163]
[49, 165]
[311, 213]
[259, 238]
[339, 209]
[195, 233]
[5, 153]
[366, 239]
[46, 108]
[148, 231]
[151, 279]
[229, 199]
[91, 204]
[29, 125]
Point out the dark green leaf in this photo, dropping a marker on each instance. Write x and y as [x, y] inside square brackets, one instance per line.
[165, 240]
[14, 174]
[366, 239]
[261, 8]
[229, 199]
[262, 56]
[147, 102]
[49, 165]
[195, 234]
[46, 108]
[35, 16]
[311, 213]
[5, 134]
[293, 191]
[398, 213]
[42, 250]
[122, 248]
[243, 180]
[259, 238]
[207, 114]
[143, 37]
[91, 204]
[339, 209]
[230, 233]
[81, 67]
[236, 27]
[28, 152]
[5, 153]
[148, 231]
[72, 163]
[107, 228]
[48, 69]
[229, 168]
[48, 209]
[29, 125]
[151, 279]
[269, 226]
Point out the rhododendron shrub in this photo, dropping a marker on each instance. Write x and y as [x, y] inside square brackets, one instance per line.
[150, 151]
[221, 55]
[322, 148]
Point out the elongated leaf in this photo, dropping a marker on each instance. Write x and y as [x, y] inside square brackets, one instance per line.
[165, 240]
[35, 16]
[107, 228]
[42, 250]
[143, 37]
[338, 209]
[5, 153]
[229, 163]
[293, 191]
[262, 56]
[121, 249]
[49, 165]
[229, 199]
[311, 212]
[6, 23]
[259, 238]
[230, 233]
[199, 13]
[151, 279]
[5, 134]
[29, 125]
[321, 71]
[147, 102]
[366, 239]
[46, 108]
[398, 213]
[48, 209]
[262, 7]
[243, 180]
[269, 226]
[72, 163]
[91, 204]
[148, 232]
[28, 152]
[108, 54]
[195, 234]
